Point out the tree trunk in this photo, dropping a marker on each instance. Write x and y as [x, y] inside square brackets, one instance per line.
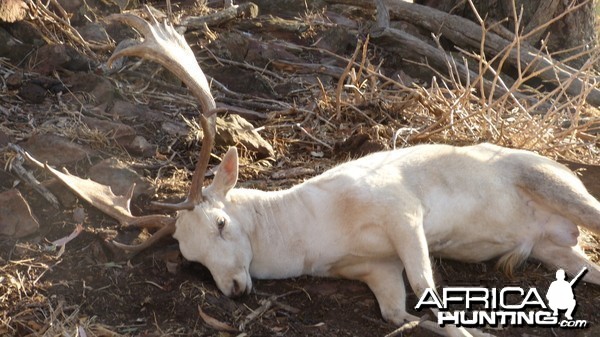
[575, 30]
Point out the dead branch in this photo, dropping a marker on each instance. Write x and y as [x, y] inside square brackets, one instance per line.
[415, 48]
[307, 68]
[245, 10]
[16, 166]
[43, 14]
[246, 113]
[407, 327]
[265, 305]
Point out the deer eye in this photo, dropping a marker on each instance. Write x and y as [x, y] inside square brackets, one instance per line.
[221, 224]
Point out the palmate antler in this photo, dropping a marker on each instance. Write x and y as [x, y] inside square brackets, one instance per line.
[102, 197]
[162, 44]
[165, 46]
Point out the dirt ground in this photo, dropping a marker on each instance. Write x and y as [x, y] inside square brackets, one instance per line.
[90, 288]
[93, 289]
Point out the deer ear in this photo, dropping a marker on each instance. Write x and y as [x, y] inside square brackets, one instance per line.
[227, 173]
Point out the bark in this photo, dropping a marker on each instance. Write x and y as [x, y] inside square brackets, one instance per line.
[248, 10]
[12, 10]
[466, 33]
[415, 48]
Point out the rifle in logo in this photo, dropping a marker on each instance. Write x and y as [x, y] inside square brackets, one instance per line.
[560, 294]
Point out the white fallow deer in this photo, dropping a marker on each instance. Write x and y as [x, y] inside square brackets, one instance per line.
[369, 219]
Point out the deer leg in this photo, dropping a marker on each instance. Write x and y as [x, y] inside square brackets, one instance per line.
[385, 280]
[408, 237]
[571, 259]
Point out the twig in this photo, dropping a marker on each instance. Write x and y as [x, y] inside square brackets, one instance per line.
[274, 299]
[16, 165]
[65, 25]
[308, 68]
[265, 305]
[244, 65]
[248, 114]
[340, 84]
[407, 326]
[154, 284]
[299, 127]
[249, 104]
[62, 11]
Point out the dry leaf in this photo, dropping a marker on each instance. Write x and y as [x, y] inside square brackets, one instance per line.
[67, 239]
[215, 323]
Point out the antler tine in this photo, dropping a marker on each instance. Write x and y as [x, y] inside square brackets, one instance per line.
[168, 229]
[165, 46]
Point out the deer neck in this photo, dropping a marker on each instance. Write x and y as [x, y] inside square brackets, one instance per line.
[278, 224]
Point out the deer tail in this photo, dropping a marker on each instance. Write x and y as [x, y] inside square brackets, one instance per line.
[556, 187]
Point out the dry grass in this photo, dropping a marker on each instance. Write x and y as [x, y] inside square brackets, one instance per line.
[449, 111]
[550, 121]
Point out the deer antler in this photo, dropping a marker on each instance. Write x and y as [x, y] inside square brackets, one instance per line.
[165, 46]
[102, 197]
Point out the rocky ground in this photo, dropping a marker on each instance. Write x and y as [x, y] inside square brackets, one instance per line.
[302, 95]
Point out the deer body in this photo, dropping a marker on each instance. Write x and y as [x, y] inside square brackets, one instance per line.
[371, 218]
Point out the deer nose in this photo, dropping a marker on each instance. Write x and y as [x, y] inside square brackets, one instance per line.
[236, 289]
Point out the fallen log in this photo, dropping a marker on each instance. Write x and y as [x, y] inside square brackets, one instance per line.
[466, 33]
[415, 48]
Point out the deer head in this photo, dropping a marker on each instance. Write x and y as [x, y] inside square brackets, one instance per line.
[206, 233]
[213, 236]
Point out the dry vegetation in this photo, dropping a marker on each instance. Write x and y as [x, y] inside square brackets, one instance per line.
[307, 128]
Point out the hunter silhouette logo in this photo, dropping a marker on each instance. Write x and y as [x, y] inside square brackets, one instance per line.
[560, 294]
[515, 306]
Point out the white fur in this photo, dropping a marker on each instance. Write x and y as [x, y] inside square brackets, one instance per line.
[373, 218]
